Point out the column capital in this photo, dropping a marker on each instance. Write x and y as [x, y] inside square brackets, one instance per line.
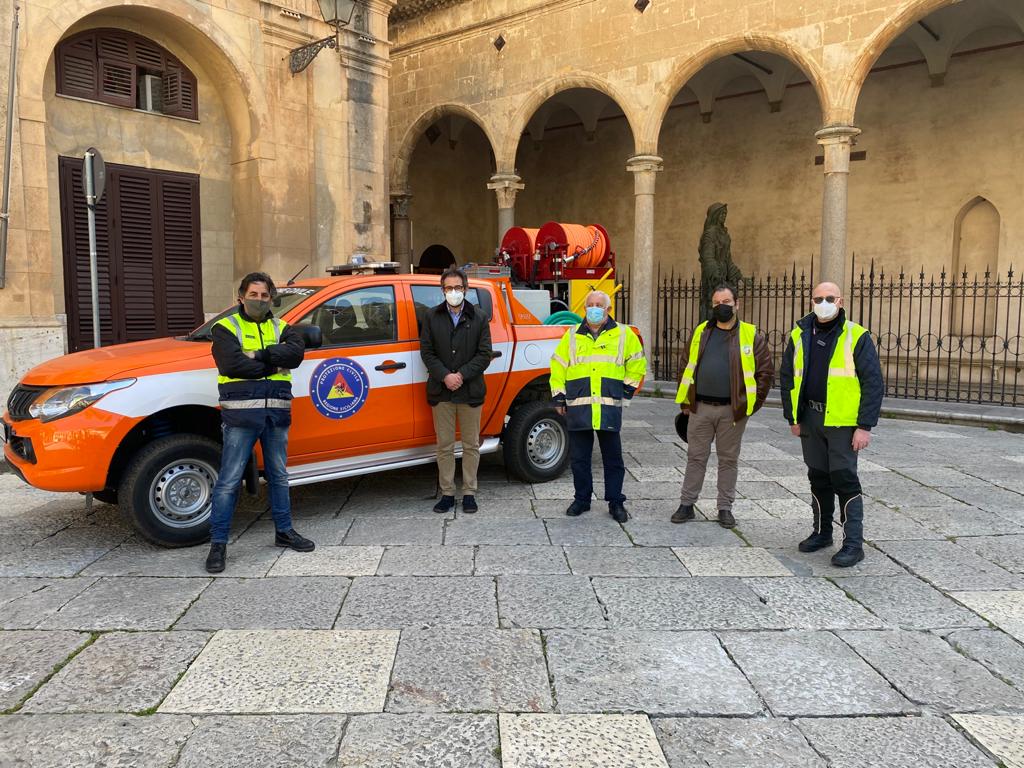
[644, 163]
[400, 205]
[506, 186]
[837, 133]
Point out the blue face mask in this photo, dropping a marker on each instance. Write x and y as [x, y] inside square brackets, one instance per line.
[595, 315]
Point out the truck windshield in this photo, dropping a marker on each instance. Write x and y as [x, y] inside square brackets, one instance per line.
[286, 298]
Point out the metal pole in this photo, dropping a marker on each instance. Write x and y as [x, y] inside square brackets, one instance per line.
[5, 205]
[94, 284]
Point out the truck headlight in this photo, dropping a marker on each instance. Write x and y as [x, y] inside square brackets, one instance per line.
[63, 401]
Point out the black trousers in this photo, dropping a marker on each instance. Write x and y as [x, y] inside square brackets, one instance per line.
[581, 448]
[832, 470]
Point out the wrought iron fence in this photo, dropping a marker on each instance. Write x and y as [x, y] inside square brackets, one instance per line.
[951, 338]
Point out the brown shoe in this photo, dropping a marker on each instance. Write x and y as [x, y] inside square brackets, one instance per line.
[683, 514]
[725, 519]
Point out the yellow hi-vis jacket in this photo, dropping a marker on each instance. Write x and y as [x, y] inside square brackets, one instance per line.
[254, 336]
[747, 333]
[842, 404]
[595, 377]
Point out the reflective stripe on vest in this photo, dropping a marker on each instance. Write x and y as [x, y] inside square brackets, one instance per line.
[250, 335]
[747, 332]
[842, 391]
[272, 402]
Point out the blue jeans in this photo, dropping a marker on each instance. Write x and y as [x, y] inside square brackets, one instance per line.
[581, 445]
[238, 445]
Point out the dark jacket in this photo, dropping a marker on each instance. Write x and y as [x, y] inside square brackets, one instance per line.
[865, 360]
[764, 371]
[448, 348]
[234, 363]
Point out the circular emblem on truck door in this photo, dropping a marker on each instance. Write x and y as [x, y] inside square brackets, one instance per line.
[339, 387]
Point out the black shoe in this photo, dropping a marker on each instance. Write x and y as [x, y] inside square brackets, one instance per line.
[815, 541]
[215, 560]
[292, 540]
[618, 512]
[469, 504]
[446, 504]
[847, 556]
[725, 519]
[577, 508]
[683, 514]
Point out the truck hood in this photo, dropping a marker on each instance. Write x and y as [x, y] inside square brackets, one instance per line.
[114, 362]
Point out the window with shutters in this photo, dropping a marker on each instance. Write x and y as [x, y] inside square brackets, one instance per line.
[149, 261]
[125, 70]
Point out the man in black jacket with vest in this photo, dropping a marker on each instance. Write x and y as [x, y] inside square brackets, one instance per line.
[455, 344]
[255, 353]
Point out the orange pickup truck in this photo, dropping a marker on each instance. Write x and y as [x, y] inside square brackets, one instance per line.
[138, 424]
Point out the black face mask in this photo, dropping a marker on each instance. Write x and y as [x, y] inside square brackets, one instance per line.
[723, 312]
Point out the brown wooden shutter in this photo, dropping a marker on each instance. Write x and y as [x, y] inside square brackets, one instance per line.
[135, 232]
[77, 288]
[180, 242]
[148, 55]
[179, 91]
[77, 70]
[117, 83]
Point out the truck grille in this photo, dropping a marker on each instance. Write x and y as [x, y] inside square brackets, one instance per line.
[19, 401]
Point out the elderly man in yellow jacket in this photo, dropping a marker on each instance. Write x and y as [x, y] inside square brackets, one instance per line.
[596, 369]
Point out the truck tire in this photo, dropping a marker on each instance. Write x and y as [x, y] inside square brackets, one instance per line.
[167, 489]
[536, 442]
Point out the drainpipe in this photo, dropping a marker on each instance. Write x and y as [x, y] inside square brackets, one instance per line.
[5, 206]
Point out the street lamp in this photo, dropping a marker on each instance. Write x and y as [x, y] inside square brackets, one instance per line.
[337, 13]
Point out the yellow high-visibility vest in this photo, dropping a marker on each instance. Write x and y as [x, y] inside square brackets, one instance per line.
[253, 336]
[747, 333]
[842, 394]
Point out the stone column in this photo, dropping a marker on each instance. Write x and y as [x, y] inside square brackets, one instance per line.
[401, 231]
[836, 142]
[642, 294]
[506, 186]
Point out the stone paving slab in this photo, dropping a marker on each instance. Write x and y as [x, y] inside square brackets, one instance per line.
[998, 652]
[586, 531]
[730, 561]
[547, 602]
[772, 534]
[908, 602]
[393, 531]
[285, 741]
[811, 603]
[660, 673]
[469, 670]
[323, 528]
[286, 672]
[421, 741]
[619, 561]
[580, 741]
[695, 603]
[478, 531]
[141, 603]
[955, 519]
[884, 524]
[1005, 551]
[927, 670]
[1002, 737]
[949, 566]
[28, 658]
[410, 601]
[1004, 609]
[47, 560]
[287, 602]
[520, 561]
[136, 558]
[905, 742]
[93, 741]
[734, 743]
[823, 676]
[663, 533]
[329, 561]
[820, 563]
[120, 672]
[27, 601]
[426, 561]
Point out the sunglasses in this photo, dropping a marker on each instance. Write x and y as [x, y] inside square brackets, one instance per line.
[829, 299]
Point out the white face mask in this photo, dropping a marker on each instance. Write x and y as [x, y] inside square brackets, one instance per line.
[826, 310]
[454, 298]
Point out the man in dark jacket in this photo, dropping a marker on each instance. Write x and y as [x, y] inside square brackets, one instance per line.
[455, 343]
[255, 353]
[832, 390]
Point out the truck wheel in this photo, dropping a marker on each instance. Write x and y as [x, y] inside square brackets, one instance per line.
[536, 442]
[167, 490]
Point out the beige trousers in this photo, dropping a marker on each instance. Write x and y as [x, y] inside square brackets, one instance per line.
[446, 416]
[712, 423]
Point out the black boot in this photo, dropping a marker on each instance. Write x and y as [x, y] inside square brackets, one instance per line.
[215, 560]
[683, 514]
[618, 511]
[823, 505]
[293, 540]
[851, 513]
[577, 508]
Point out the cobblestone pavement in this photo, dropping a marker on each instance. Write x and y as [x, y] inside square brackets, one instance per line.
[521, 638]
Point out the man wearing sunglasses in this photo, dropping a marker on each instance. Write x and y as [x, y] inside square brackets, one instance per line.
[832, 389]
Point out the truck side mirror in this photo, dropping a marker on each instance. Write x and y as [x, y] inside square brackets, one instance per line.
[313, 336]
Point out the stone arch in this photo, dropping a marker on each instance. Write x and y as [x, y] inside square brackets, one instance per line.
[403, 156]
[506, 157]
[691, 65]
[180, 23]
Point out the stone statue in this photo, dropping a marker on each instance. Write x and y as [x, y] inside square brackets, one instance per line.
[716, 264]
